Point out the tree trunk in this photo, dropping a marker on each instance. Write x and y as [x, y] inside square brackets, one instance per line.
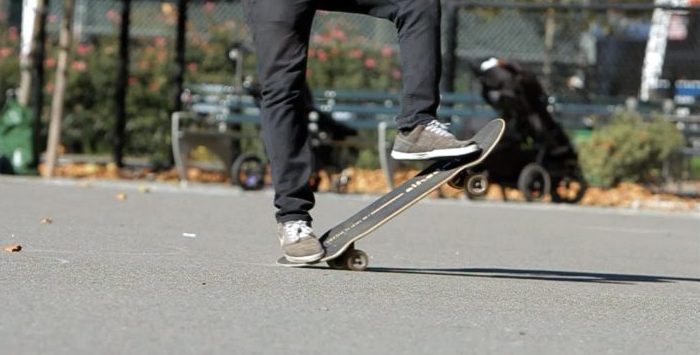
[65, 40]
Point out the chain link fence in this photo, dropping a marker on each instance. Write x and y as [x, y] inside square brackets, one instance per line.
[596, 50]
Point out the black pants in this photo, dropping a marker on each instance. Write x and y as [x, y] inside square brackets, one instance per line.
[281, 30]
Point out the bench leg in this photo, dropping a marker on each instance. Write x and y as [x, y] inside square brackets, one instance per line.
[384, 158]
[175, 139]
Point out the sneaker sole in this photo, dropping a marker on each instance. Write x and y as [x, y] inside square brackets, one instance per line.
[305, 259]
[438, 153]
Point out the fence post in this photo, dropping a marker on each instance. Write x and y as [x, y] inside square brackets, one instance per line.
[549, 33]
[37, 86]
[122, 83]
[450, 57]
[179, 75]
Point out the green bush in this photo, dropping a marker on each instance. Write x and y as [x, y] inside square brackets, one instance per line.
[628, 149]
[695, 167]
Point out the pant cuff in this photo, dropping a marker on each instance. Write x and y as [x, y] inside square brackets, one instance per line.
[294, 217]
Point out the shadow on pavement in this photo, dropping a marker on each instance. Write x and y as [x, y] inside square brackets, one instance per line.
[545, 275]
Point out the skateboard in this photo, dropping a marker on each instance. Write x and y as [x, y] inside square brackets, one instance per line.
[339, 241]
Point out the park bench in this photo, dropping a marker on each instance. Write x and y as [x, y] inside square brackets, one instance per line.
[216, 115]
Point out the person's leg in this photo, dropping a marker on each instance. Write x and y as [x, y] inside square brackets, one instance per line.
[281, 33]
[418, 26]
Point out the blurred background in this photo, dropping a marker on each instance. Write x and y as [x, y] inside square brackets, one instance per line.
[600, 96]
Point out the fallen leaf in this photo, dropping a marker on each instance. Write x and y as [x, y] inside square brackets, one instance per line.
[121, 196]
[47, 220]
[13, 248]
[144, 189]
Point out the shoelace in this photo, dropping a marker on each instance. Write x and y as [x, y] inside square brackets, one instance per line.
[438, 128]
[297, 230]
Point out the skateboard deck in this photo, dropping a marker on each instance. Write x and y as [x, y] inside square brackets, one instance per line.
[341, 238]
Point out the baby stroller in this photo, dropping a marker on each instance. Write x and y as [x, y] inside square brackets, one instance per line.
[535, 155]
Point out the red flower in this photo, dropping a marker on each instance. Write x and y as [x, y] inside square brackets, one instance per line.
[320, 39]
[160, 41]
[83, 49]
[209, 6]
[396, 74]
[113, 16]
[12, 34]
[387, 52]
[370, 63]
[5, 52]
[50, 62]
[79, 66]
[337, 33]
[356, 53]
[192, 67]
[322, 55]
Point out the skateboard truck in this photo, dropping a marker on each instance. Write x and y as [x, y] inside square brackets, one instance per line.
[474, 183]
[351, 259]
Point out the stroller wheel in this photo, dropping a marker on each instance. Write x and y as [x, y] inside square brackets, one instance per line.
[248, 172]
[534, 182]
[568, 189]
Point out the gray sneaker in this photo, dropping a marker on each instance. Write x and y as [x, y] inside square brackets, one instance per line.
[298, 242]
[430, 141]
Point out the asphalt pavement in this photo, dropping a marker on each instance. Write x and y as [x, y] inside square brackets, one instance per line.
[172, 270]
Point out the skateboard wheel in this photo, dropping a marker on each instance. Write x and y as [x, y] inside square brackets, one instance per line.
[476, 185]
[356, 260]
[337, 263]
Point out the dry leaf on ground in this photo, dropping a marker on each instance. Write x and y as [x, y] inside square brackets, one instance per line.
[12, 248]
[47, 220]
[121, 196]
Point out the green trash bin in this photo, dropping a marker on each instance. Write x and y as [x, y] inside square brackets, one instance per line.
[16, 150]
